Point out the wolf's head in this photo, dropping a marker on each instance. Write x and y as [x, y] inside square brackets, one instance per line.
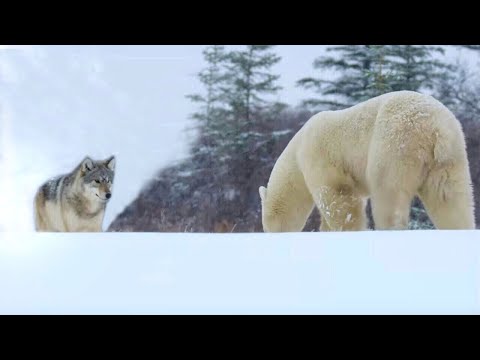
[96, 178]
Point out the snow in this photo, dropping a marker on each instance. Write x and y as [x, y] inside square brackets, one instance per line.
[373, 272]
[281, 132]
[185, 173]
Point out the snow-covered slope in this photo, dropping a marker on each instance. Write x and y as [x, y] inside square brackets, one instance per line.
[419, 272]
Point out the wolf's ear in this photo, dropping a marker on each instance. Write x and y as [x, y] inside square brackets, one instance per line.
[87, 164]
[110, 162]
[262, 190]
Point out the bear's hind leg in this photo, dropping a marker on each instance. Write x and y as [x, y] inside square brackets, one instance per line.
[447, 197]
[393, 182]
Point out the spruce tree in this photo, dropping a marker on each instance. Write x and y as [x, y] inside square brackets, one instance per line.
[213, 104]
[235, 100]
[251, 80]
[236, 85]
[363, 75]
[251, 84]
[414, 67]
[366, 71]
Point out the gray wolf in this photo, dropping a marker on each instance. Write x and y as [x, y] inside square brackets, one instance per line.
[76, 202]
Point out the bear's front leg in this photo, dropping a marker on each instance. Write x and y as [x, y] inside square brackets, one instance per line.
[341, 209]
[324, 224]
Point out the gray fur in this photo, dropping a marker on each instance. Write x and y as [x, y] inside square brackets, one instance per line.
[78, 203]
[50, 189]
[81, 194]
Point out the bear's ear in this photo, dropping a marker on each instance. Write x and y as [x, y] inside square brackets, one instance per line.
[110, 162]
[262, 190]
[87, 164]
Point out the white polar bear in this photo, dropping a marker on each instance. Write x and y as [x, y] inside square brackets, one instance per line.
[389, 149]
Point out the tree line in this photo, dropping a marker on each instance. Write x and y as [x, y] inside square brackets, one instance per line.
[241, 127]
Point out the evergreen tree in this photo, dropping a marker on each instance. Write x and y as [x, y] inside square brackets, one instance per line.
[379, 76]
[251, 79]
[414, 67]
[251, 83]
[363, 75]
[212, 78]
[213, 104]
[367, 71]
[236, 84]
[232, 109]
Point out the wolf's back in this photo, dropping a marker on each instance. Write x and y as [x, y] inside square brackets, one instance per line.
[49, 191]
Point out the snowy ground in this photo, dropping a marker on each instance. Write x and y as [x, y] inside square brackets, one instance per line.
[420, 272]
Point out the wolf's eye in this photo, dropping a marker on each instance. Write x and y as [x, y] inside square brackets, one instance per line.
[97, 181]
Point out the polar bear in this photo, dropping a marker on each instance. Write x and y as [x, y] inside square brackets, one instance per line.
[389, 149]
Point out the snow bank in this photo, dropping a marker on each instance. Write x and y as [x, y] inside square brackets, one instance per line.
[407, 272]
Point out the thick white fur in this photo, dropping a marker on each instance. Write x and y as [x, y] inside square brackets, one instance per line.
[389, 148]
